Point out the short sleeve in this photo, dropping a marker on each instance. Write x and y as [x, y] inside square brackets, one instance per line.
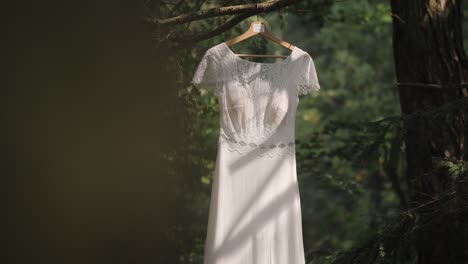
[208, 73]
[307, 80]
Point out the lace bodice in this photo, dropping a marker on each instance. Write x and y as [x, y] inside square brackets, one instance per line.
[257, 101]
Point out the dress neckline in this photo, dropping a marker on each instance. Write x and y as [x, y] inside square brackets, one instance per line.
[285, 61]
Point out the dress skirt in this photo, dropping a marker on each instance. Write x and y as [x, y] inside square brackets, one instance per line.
[255, 210]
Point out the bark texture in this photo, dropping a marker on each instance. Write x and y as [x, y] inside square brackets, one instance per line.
[428, 49]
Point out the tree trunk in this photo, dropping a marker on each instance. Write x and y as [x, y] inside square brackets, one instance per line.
[428, 49]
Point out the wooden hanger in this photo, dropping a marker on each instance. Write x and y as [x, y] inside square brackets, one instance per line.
[256, 28]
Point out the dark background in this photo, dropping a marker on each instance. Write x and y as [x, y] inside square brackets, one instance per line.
[84, 127]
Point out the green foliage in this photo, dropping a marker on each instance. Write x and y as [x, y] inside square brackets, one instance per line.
[338, 128]
[393, 241]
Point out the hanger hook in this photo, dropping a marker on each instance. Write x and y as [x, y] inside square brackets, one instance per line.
[257, 13]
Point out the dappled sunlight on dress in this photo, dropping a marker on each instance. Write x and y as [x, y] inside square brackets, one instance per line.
[255, 209]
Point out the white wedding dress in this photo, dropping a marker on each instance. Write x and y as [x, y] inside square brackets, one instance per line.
[255, 209]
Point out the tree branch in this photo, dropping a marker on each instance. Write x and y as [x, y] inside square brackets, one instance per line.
[250, 9]
[224, 27]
